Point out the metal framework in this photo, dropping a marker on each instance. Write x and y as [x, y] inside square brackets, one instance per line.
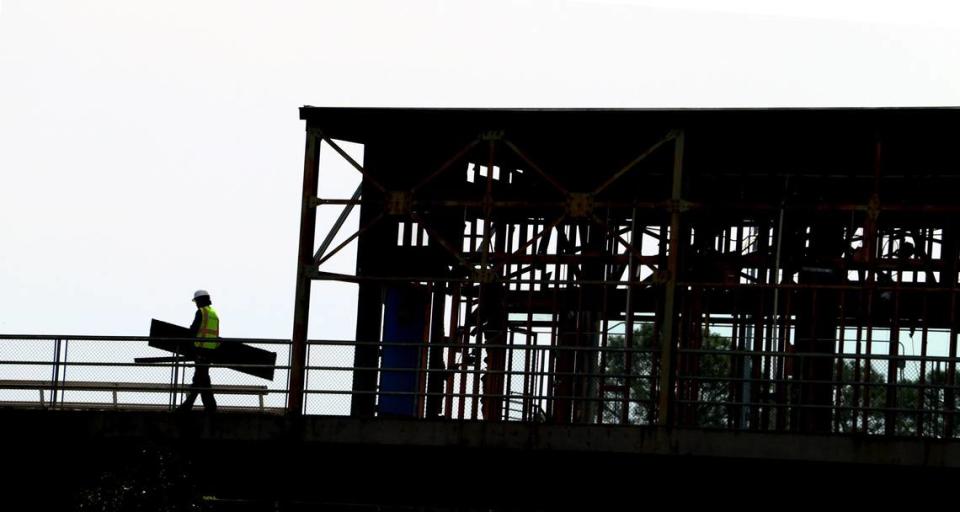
[760, 269]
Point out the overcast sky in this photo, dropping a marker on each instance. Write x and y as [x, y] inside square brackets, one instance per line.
[151, 148]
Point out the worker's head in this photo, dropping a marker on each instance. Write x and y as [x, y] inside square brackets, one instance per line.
[201, 298]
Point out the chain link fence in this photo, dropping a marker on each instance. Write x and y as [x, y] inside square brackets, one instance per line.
[858, 389]
[70, 372]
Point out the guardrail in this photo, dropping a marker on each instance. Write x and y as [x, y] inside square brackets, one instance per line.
[68, 372]
[719, 386]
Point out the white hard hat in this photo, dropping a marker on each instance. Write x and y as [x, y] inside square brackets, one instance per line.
[200, 293]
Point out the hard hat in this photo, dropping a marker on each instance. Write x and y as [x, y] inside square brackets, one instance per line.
[200, 293]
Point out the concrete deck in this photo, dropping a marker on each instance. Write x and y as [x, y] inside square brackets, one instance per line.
[439, 463]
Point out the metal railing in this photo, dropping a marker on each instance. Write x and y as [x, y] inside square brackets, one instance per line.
[716, 387]
[71, 372]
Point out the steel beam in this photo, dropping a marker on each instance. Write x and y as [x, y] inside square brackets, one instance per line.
[667, 338]
[305, 263]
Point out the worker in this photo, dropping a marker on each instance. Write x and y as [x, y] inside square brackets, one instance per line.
[206, 331]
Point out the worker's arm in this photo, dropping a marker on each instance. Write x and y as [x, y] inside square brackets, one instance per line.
[195, 326]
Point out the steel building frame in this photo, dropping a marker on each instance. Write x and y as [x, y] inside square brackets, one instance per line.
[768, 239]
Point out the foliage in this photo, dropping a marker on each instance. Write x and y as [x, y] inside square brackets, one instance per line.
[153, 479]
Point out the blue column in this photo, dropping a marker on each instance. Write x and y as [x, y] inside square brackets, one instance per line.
[404, 321]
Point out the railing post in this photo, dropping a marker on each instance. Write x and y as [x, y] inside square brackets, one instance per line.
[63, 374]
[55, 373]
[173, 383]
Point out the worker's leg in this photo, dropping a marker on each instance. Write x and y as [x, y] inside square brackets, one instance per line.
[188, 401]
[192, 395]
[209, 403]
[201, 379]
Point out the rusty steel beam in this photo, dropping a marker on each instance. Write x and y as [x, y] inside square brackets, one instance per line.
[348, 207]
[301, 304]
[668, 340]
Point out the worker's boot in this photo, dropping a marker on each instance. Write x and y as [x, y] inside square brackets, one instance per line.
[187, 405]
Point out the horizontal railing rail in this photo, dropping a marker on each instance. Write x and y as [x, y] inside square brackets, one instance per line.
[727, 387]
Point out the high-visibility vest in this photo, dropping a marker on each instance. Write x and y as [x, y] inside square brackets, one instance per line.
[209, 329]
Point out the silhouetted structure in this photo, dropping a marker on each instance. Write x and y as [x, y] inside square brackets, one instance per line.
[521, 240]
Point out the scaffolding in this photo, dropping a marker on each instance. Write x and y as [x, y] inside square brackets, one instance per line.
[748, 269]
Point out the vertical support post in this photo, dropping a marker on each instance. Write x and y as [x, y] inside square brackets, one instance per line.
[784, 365]
[591, 300]
[951, 255]
[604, 326]
[949, 394]
[305, 262]
[405, 326]
[173, 383]
[490, 307]
[438, 342]
[55, 374]
[890, 415]
[306, 381]
[866, 410]
[492, 314]
[628, 341]
[738, 335]
[818, 320]
[63, 375]
[454, 340]
[775, 334]
[465, 374]
[673, 264]
[839, 377]
[922, 390]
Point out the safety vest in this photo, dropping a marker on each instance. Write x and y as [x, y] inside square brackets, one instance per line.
[209, 329]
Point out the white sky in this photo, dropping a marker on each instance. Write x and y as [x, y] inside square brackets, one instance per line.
[151, 148]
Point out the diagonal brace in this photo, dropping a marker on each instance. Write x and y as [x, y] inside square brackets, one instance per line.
[337, 225]
[669, 137]
[373, 181]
